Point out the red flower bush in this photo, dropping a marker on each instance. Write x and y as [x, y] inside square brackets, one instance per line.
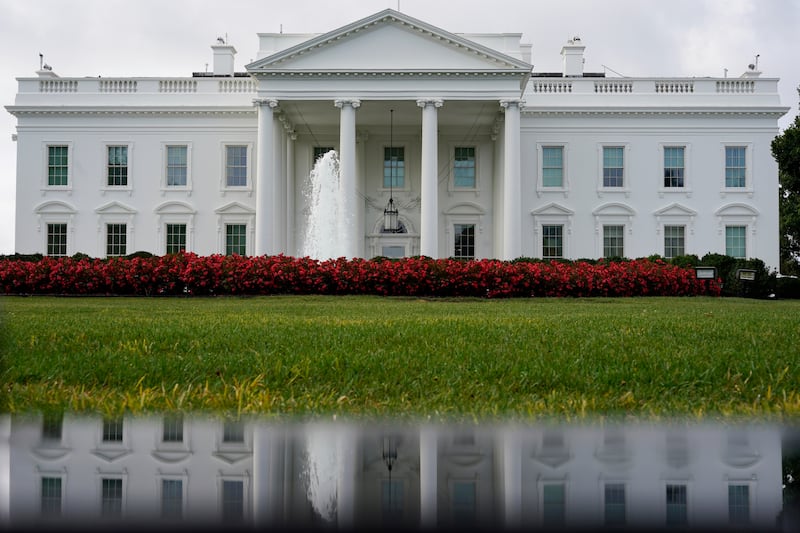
[189, 273]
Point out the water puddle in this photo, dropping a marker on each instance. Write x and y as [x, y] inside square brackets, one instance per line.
[167, 471]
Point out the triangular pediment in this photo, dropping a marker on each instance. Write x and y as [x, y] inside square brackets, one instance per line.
[115, 208]
[389, 41]
[553, 209]
[465, 208]
[234, 208]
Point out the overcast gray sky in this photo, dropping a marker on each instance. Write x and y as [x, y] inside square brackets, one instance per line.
[173, 37]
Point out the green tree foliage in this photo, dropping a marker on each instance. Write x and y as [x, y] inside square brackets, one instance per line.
[786, 151]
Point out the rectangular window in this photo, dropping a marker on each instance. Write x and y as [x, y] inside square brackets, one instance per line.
[614, 241]
[232, 501]
[735, 166]
[613, 166]
[394, 167]
[236, 239]
[673, 166]
[51, 496]
[393, 251]
[739, 504]
[57, 166]
[464, 167]
[553, 166]
[52, 425]
[171, 498]
[236, 166]
[464, 241]
[464, 500]
[736, 241]
[57, 240]
[614, 504]
[320, 151]
[392, 501]
[116, 239]
[233, 431]
[177, 169]
[112, 430]
[674, 241]
[676, 505]
[117, 166]
[553, 504]
[176, 238]
[552, 241]
[173, 429]
[111, 497]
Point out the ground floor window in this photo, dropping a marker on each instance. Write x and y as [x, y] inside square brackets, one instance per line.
[464, 241]
[674, 243]
[171, 498]
[236, 239]
[51, 496]
[176, 238]
[111, 504]
[552, 241]
[57, 240]
[232, 501]
[614, 241]
[676, 505]
[553, 504]
[739, 504]
[614, 504]
[736, 241]
[116, 239]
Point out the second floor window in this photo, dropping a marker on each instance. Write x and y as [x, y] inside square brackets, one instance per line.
[236, 166]
[464, 167]
[613, 166]
[735, 166]
[117, 166]
[553, 166]
[57, 166]
[674, 166]
[177, 169]
[394, 167]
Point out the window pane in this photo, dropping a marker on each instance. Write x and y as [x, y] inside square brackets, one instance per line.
[320, 151]
[233, 431]
[236, 166]
[52, 425]
[176, 238]
[673, 241]
[176, 166]
[232, 501]
[676, 505]
[553, 505]
[735, 241]
[553, 166]
[614, 503]
[112, 430]
[171, 498]
[235, 239]
[117, 169]
[51, 496]
[673, 166]
[464, 241]
[464, 171]
[116, 239]
[552, 241]
[739, 504]
[57, 240]
[111, 504]
[393, 251]
[464, 502]
[735, 166]
[394, 167]
[613, 241]
[613, 166]
[57, 165]
[173, 429]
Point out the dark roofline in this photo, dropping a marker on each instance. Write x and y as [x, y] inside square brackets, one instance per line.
[561, 75]
[212, 75]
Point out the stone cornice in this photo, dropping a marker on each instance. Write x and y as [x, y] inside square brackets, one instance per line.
[770, 112]
[376, 74]
[19, 111]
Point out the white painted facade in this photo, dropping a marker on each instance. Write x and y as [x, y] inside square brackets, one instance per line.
[476, 95]
[683, 475]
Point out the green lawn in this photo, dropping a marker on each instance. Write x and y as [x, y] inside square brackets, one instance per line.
[647, 358]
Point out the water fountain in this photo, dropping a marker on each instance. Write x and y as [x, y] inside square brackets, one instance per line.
[328, 230]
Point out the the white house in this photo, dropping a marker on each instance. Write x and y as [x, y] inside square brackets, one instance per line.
[481, 155]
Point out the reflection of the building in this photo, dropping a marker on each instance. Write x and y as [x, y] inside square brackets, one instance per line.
[210, 471]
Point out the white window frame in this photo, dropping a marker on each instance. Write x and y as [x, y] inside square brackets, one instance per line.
[46, 225]
[224, 187]
[164, 149]
[451, 183]
[748, 173]
[53, 474]
[552, 215]
[687, 165]
[663, 228]
[601, 188]
[184, 479]
[738, 214]
[752, 517]
[122, 475]
[540, 486]
[245, 480]
[746, 240]
[613, 214]
[55, 212]
[676, 215]
[605, 484]
[104, 186]
[540, 188]
[175, 212]
[235, 213]
[406, 178]
[45, 186]
[689, 506]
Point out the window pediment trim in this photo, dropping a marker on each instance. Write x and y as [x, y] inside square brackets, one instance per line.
[55, 207]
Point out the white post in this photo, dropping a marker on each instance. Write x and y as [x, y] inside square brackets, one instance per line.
[265, 177]
[512, 187]
[512, 478]
[429, 220]
[428, 476]
[347, 170]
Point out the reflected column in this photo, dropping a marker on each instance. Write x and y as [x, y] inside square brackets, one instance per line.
[428, 476]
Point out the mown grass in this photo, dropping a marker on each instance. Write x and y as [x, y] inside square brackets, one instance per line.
[570, 359]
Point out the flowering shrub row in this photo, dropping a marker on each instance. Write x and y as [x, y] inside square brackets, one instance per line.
[188, 273]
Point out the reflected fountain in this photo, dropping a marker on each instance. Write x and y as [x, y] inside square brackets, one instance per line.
[206, 471]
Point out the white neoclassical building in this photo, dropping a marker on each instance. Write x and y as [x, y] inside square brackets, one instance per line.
[482, 156]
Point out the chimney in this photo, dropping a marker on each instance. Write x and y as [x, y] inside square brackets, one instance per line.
[223, 58]
[572, 57]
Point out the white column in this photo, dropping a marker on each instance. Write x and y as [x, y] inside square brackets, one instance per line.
[265, 177]
[346, 483]
[269, 449]
[429, 219]
[512, 478]
[291, 244]
[512, 187]
[428, 476]
[347, 173]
